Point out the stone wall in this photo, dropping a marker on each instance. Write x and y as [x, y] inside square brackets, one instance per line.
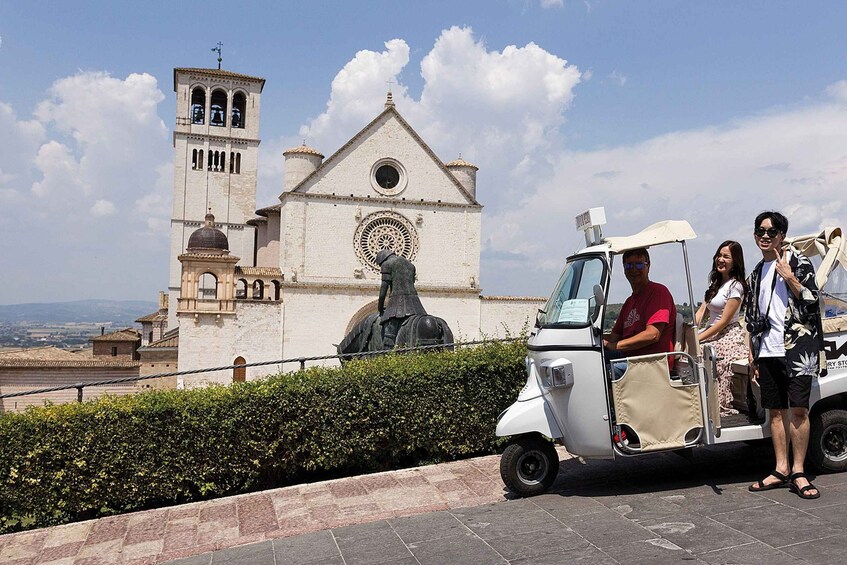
[19, 379]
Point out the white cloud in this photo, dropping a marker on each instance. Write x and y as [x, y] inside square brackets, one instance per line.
[838, 91]
[552, 3]
[618, 77]
[102, 208]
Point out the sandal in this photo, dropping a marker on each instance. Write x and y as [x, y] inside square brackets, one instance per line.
[759, 486]
[803, 492]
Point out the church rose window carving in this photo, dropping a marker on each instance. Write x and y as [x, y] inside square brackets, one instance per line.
[384, 230]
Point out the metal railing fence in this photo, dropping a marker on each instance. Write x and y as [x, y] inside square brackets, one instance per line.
[301, 360]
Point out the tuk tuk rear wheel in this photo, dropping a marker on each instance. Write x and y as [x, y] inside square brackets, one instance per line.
[828, 441]
[529, 465]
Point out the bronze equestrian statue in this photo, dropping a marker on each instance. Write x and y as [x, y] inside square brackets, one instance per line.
[403, 322]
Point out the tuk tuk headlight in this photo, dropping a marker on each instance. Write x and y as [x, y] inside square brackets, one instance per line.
[558, 374]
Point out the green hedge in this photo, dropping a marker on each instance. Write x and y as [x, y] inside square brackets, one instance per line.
[117, 454]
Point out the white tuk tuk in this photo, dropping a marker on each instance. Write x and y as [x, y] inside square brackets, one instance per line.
[571, 396]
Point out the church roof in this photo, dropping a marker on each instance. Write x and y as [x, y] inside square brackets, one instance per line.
[303, 149]
[156, 316]
[461, 163]
[389, 109]
[51, 356]
[218, 73]
[268, 209]
[169, 340]
[127, 334]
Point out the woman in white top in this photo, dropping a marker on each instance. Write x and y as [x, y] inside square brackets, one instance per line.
[722, 302]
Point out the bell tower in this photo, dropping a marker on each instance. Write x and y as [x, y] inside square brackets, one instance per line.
[216, 147]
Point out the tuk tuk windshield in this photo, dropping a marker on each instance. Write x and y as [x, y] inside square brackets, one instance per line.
[573, 303]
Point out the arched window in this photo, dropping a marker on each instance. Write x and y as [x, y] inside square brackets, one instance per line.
[277, 289]
[241, 289]
[239, 374]
[198, 106]
[258, 290]
[194, 159]
[210, 160]
[238, 163]
[239, 110]
[231, 161]
[200, 159]
[218, 109]
[208, 288]
[223, 162]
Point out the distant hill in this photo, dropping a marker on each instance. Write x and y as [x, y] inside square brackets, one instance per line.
[120, 312]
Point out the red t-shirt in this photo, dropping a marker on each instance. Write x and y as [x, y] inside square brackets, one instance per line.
[653, 305]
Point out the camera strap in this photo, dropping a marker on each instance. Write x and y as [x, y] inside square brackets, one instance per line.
[773, 289]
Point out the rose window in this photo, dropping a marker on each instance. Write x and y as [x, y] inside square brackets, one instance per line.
[385, 230]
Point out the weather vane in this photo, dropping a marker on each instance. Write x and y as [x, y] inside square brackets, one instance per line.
[218, 50]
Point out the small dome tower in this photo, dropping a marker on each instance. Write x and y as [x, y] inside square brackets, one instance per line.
[208, 239]
[300, 162]
[465, 173]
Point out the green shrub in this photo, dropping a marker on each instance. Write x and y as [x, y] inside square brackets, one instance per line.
[116, 454]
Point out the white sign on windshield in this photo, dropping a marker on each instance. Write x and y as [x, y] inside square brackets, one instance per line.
[574, 311]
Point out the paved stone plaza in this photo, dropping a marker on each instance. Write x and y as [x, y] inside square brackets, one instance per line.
[655, 509]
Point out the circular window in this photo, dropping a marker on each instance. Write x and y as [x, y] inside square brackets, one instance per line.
[384, 230]
[388, 177]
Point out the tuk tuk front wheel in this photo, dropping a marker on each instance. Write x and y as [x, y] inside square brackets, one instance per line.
[828, 441]
[529, 465]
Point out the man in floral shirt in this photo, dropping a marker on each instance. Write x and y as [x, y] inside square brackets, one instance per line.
[783, 317]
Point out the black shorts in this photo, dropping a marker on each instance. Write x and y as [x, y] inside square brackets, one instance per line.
[779, 391]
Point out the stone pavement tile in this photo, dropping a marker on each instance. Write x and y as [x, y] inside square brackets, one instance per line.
[411, 478]
[23, 546]
[63, 551]
[828, 479]
[217, 522]
[146, 526]
[459, 549]
[256, 514]
[708, 500]
[316, 493]
[253, 554]
[144, 549]
[552, 537]
[62, 561]
[189, 511]
[179, 535]
[654, 551]
[111, 547]
[588, 554]
[835, 514]
[401, 498]
[107, 529]
[318, 547]
[829, 496]
[413, 511]
[640, 507]
[752, 553]
[186, 552]
[695, 533]
[204, 559]
[375, 542]
[346, 489]
[378, 481]
[778, 525]
[427, 527]
[820, 551]
[496, 520]
[567, 505]
[70, 533]
[607, 529]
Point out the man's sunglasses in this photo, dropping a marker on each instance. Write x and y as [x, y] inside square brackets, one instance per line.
[772, 232]
[639, 265]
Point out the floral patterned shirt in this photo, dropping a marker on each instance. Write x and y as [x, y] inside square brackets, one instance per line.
[803, 331]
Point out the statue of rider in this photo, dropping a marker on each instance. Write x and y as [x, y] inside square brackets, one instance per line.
[398, 275]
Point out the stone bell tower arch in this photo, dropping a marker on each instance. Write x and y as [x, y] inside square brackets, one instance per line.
[216, 147]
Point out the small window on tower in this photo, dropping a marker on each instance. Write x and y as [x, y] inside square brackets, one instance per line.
[218, 109]
[239, 106]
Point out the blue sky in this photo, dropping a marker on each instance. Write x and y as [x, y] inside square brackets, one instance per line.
[707, 111]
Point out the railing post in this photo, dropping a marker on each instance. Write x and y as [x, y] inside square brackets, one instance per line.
[302, 363]
[78, 387]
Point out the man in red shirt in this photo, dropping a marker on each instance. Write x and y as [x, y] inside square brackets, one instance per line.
[647, 320]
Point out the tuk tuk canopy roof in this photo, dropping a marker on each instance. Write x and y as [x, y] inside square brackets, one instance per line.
[828, 244]
[668, 231]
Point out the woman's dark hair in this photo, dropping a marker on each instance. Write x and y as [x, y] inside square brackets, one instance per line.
[778, 221]
[737, 271]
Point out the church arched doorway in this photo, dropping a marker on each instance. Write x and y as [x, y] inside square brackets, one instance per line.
[239, 374]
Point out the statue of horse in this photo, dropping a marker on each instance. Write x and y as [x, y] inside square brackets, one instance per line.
[415, 330]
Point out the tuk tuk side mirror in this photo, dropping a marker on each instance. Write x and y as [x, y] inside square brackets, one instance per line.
[599, 300]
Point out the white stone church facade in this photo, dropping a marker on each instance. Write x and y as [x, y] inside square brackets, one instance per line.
[299, 274]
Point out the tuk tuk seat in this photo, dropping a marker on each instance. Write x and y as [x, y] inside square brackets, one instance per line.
[659, 410]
